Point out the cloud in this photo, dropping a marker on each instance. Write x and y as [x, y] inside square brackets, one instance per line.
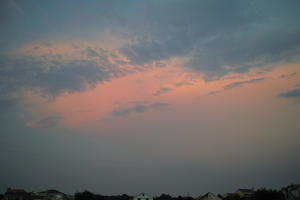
[60, 68]
[48, 122]
[235, 84]
[214, 92]
[185, 82]
[5, 104]
[162, 91]
[60, 76]
[47, 43]
[138, 109]
[240, 36]
[241, 83]
[54, 68]
[215, 38]
[287, 75]
[291, 94]
[91, 52]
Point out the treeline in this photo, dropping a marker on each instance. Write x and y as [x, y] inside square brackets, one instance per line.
[86, 195]
[261, 194]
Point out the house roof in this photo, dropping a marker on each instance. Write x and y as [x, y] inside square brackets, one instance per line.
[209, 196]
[144, 195]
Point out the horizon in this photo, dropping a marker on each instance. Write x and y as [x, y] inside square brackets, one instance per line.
[176, 97]
[153, 195]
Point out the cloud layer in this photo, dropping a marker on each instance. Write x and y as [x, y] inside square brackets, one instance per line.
[241, 36]
[52, 68]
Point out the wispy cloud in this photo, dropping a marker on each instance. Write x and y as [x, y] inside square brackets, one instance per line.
[141, 108]
[162, 91]
[48, 122]
[236, 84]
[241, 83]
[291, 94]
[287, 75]
[214, 92]
[168, 89]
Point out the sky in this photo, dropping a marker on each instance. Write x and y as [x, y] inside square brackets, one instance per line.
[174, 96]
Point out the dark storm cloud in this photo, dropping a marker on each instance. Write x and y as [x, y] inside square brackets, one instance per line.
[241, 83]
[291, 94]
[138, 109]
[215, 35]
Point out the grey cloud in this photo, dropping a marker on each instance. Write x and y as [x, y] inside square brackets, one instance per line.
[70, 77]
[185, 82]
[287, 75]
[235, 84]
[171, 34]
[22, 23]
[162, 91]
[245, 49]
[241, 35]
[91, 52]
[51, 75]
[47, 43]
[214, 92]
[50, 121]
[27, 72]
[138, 109]
[241, 83]
[291, 94]
[5, 104]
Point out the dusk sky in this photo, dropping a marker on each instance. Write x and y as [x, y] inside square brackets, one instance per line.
[157, 96]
